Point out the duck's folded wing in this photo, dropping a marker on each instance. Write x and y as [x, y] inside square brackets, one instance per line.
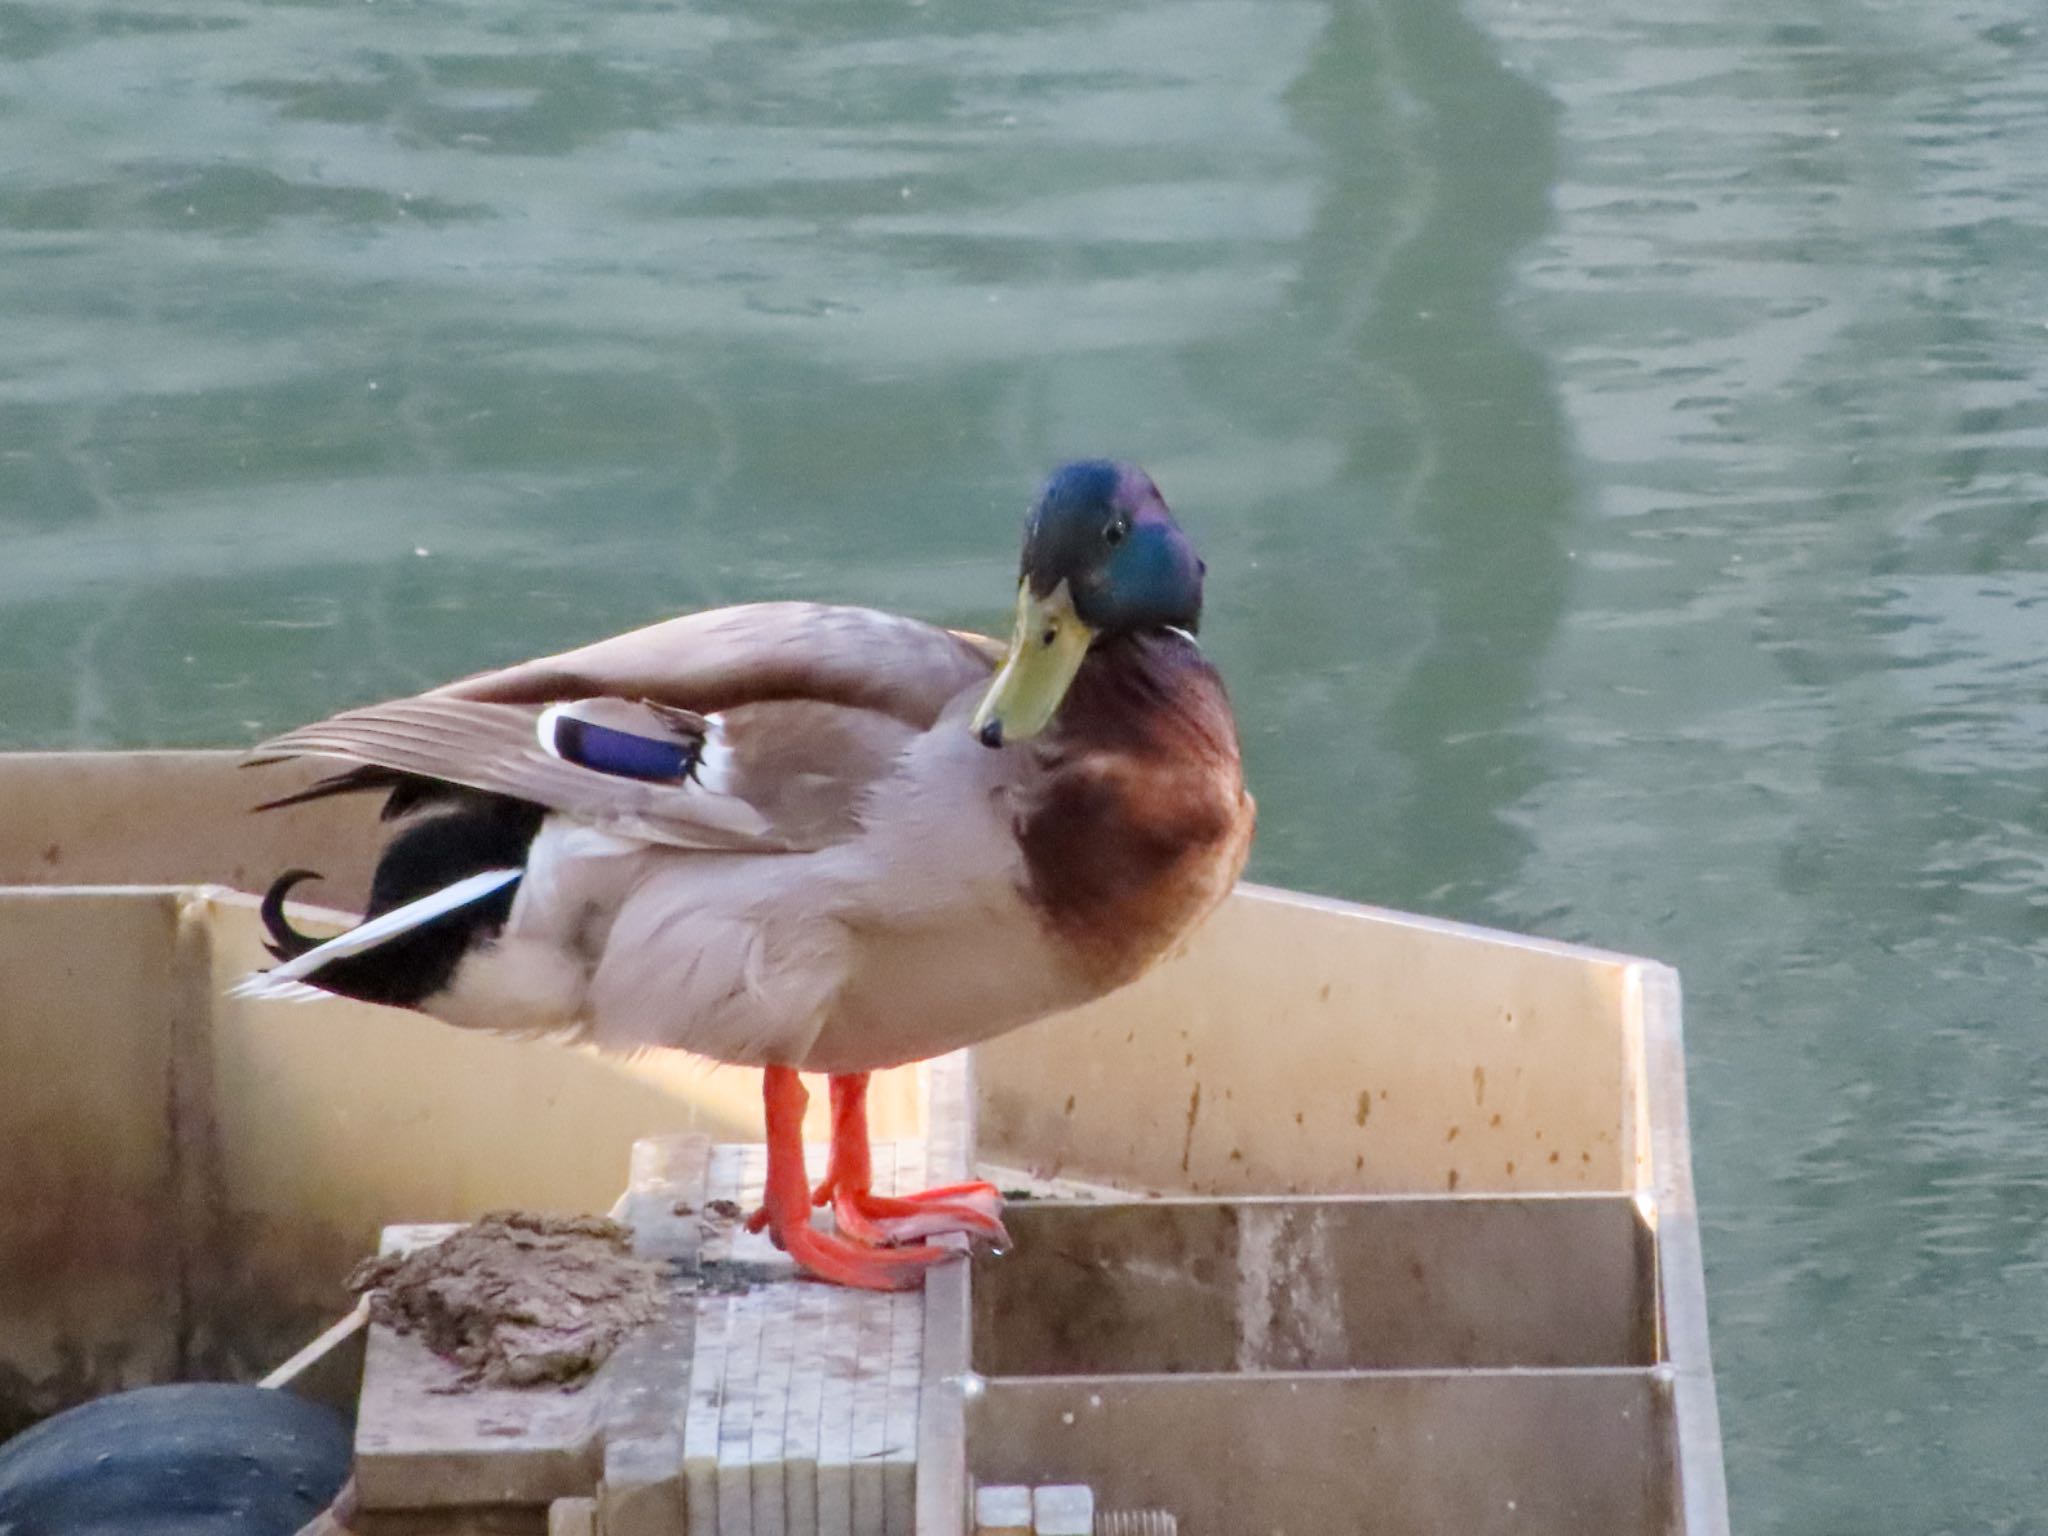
[629, 768]
[762, 652]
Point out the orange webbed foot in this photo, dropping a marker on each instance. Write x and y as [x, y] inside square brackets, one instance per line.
[785, 1211]
[844, 1261]
[974, 1209]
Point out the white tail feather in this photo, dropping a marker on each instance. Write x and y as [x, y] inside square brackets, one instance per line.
[257, 984]
[287, 981]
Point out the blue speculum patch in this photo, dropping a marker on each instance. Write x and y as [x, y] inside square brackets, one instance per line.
[623, 753]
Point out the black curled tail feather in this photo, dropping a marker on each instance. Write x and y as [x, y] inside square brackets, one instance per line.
[428, 853]
[286, 942]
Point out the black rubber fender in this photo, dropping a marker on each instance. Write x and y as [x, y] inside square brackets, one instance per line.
[202, 1459]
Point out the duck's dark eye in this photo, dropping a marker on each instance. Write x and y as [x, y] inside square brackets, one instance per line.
[1113, 535]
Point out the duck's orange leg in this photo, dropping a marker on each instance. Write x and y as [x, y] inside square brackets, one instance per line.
[974, 1208]
[786, 1206]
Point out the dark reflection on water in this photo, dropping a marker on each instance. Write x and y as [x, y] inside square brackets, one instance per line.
[1617, 439]
[1489, 512]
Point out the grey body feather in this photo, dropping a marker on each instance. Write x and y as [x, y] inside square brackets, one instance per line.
[840, 890]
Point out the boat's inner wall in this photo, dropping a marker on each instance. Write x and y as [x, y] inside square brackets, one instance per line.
[1304, 1046]
[91, 1232]
[178, 818]
[190, 1178]
[1342, 1283]
[1479, 1453]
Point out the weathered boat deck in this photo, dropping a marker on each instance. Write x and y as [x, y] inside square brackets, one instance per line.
[1427, 1245]
[753, 1404]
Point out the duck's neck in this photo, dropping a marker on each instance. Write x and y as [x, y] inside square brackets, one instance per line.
[1138, 820]
[1147, 693]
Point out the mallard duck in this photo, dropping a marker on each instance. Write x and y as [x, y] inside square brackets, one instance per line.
[808, 839]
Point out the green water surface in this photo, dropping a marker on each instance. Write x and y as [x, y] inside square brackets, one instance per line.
[1616, 433]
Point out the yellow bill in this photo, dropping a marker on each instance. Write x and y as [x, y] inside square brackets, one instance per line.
[1046, 650]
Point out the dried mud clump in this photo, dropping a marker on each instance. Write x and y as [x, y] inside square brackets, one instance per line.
[517, 1299]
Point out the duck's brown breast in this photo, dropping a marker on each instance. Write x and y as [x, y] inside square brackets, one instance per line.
[1138, 821]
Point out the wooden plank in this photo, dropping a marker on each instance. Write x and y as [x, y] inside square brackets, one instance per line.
[947, 1314]
[804, 1425]
[871, 1384]
[835, 1413]
[759, 1402]
[900, 1393]
[425, 1441]
[706, 1404]
[740, 1183]
[718, 1328]
[647, 1382]
[767, 1453]
[901, 1382]
[736, 1417]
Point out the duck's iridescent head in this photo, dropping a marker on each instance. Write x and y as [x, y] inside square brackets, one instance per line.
[1102, 556]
